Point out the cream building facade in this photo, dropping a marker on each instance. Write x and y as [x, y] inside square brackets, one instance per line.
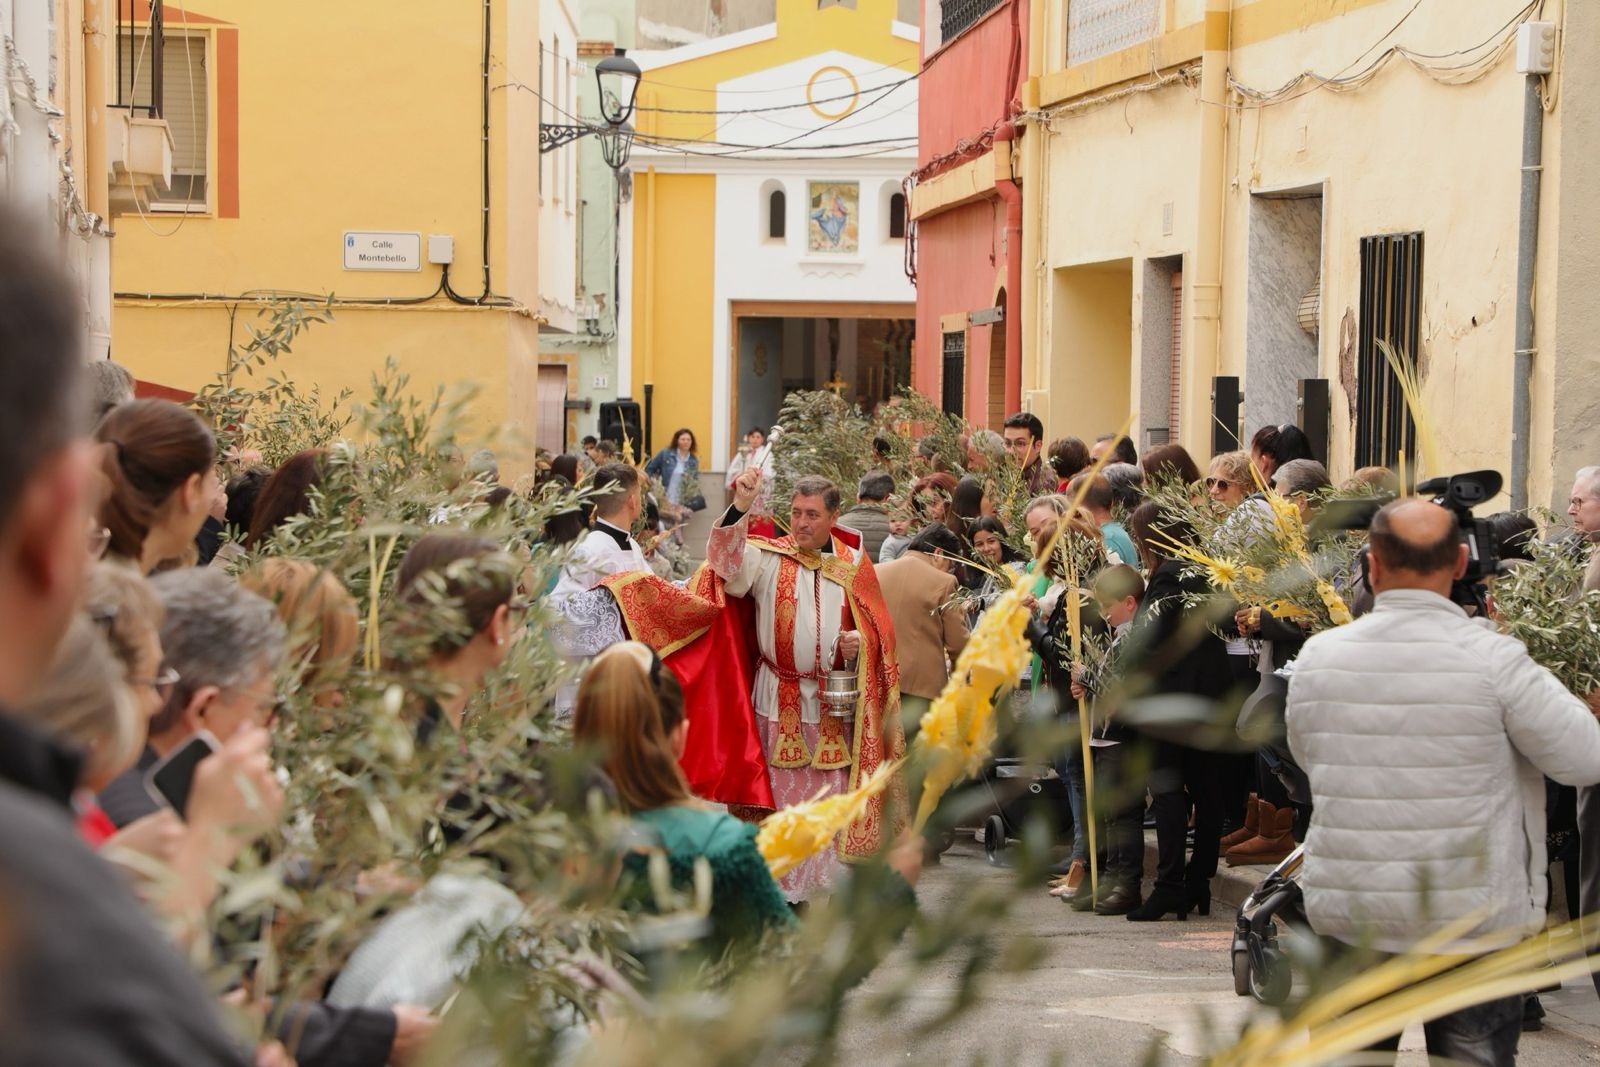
[1262, 190]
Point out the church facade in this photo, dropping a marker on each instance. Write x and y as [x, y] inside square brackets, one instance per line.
[764, 247]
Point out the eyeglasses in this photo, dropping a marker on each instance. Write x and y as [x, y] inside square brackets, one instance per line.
[1219, 483]
[163, 683]
[99, 541]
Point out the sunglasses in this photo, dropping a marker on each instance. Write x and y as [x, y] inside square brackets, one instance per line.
[1219, 483]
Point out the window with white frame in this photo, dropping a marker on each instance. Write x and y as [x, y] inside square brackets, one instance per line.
[185, 104]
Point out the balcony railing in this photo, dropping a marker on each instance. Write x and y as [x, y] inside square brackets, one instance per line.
[956, 15]
[140, 50]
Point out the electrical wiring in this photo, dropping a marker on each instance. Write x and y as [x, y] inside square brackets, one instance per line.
[772, 107]
[263, 296]
[1189, 76]
[867, 119]
[689, 150]
[777, 89]
[668, 142]
[1493, 50]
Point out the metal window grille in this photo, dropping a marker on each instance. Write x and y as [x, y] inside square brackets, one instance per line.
[140, 52]
[1099, 27]
[183, 101]
[1391, 311]
[957, 15]
[953, 381]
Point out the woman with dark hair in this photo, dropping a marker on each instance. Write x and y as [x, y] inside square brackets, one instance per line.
[1069, 457]
[565, 466]
[677, 468]
[999, 565]
[287, 493]
[160, 466]
[1273, 446]
[1170, 644]
[244, 489]
[968, 503]
[455, 598]
[1165, 463]
[1514, 532]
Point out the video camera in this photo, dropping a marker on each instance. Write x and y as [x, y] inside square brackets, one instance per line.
[1458, 494]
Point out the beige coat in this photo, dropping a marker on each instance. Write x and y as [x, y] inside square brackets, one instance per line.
[928, 625]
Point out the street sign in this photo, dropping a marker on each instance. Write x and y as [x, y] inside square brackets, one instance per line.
[986, 316]
[370, 250]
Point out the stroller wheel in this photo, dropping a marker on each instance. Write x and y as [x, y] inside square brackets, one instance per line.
[1241, 973]
[1270, 983]
[994, 838]
[946, 841]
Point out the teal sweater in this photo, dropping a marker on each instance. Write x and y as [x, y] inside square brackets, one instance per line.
[745, 899]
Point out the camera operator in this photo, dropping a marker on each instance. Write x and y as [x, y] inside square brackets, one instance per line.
[1424, 734]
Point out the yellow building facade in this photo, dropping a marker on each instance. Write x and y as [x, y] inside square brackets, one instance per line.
[729, 298]
[337, 149]
[1259, 190]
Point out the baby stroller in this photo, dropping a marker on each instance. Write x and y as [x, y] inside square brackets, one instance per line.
[1017, 788]
[1274, 913]
[1269, 917]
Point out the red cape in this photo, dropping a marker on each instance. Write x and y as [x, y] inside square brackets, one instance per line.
[706, 639]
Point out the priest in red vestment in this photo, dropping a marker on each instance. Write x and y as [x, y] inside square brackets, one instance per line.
[750, 639]
[817, 606]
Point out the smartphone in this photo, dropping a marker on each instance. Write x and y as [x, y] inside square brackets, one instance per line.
[170, 779]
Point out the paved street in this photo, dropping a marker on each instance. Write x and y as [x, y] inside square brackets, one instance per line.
[1106, 991]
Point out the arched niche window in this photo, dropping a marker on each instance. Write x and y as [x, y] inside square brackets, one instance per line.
[775, 211]
[897, 215]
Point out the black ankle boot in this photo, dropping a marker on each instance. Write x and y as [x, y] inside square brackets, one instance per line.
[1160, 902]
[1199, 899]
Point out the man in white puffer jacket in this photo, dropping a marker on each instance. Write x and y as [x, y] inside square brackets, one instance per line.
[1425, 733]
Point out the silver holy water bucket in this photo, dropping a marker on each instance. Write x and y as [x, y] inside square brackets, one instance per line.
[839, 694]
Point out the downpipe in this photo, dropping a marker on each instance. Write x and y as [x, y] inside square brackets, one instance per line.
[1527, 253]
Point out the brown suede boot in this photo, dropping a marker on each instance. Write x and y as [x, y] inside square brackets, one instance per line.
[1273, 842]
[1252, 812]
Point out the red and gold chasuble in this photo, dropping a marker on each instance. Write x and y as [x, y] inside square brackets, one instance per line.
[709, 640]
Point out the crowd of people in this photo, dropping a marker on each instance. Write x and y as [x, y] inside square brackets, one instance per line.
[156, 619]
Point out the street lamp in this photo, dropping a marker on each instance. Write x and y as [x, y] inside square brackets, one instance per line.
[618, 78]
[616, 144]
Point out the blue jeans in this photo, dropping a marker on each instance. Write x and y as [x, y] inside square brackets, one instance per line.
[1069, 767]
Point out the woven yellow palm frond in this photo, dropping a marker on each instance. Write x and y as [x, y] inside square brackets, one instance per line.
[789, 837]
[1422, 984]
[959, 728]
